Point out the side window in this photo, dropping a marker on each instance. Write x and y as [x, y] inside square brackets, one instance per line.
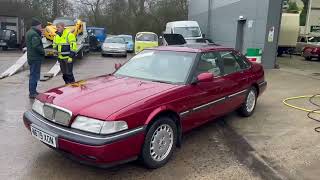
[209, 62]
[230, 63]
[242, 61]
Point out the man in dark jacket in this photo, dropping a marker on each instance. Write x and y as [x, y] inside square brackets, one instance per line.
[35, 55]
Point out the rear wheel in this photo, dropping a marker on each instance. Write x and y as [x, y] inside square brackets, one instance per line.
[4, 48]
[249, 105]
[160, 143]
[308, 58]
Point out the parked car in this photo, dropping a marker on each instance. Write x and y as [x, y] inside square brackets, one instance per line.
[311, 52]
[129, 41]
[145, 40]
[144, 108]
[307, 41]
[114, 46]
[97, 37]
[190, 30]
[8, 39]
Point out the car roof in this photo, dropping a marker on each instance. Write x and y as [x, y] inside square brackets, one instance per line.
[125, 35]
[183, 23]
[90, 27]
[194, 48]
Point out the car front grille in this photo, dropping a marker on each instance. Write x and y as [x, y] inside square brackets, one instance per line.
[57, 115]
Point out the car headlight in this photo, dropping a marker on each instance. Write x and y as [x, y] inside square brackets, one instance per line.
[105, 46]
[38, 107]
[97, 126]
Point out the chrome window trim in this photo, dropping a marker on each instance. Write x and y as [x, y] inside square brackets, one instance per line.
[235, 94]
[208, 104]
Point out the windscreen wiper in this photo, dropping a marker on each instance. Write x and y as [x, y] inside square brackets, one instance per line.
[159, 81]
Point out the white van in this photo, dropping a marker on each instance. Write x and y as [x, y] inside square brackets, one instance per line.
[190, 30]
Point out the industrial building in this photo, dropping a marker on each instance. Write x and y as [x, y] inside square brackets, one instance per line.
[241, 24]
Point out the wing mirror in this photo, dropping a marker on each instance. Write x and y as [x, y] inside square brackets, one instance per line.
[117, 66]
[205, 77]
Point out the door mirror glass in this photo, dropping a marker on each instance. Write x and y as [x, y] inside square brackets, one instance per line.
[205, 77]
[117, 66]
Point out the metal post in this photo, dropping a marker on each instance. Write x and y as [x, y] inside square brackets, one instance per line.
[308, 17]
[209, 18]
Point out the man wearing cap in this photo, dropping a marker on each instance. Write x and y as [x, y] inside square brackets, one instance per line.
[35, 54]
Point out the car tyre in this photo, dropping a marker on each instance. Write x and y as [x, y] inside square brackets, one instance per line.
[308, 58]
[160, 143]
[249, 105]
[5, 48]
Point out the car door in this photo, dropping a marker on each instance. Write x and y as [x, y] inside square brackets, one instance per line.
[207, 96]
[236, 73]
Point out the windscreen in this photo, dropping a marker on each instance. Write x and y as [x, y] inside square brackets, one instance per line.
[127, 38]
[188, 32]
[67, 22]
[146, 37]
[314, 39]
[160, 66]
[5, 34]
[99, 32]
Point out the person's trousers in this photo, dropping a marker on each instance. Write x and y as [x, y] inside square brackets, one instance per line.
[35, 68]
[67, 71]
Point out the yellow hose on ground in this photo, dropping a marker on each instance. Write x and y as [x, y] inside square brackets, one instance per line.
[301, 108]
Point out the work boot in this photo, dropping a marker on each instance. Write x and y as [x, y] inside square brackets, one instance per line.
[33, 96]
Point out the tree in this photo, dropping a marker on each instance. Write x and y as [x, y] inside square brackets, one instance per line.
[93, 9]
[293, 7]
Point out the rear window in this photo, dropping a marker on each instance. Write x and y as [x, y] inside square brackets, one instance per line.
[115, 40]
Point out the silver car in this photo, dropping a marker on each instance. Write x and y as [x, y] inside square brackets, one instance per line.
[114, 46]
[307, 41]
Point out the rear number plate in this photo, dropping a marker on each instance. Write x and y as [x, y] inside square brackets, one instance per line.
[44, 136]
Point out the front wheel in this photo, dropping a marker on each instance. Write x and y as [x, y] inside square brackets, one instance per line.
[250, 103]
[160, 143]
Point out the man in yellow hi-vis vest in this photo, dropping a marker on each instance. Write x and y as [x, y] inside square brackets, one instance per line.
[66, 44]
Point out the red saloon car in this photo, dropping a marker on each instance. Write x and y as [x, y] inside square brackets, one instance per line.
[144, 107]
[311, 52]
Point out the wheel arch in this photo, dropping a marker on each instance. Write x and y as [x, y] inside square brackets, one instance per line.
[166, 112]
[255, 85]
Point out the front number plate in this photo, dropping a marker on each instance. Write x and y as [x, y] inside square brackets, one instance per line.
[44, 136]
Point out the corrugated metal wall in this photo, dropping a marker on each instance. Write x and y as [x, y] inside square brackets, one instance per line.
[224, 20]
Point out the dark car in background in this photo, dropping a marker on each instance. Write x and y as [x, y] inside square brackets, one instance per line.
[8, 39]
[96, 37]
